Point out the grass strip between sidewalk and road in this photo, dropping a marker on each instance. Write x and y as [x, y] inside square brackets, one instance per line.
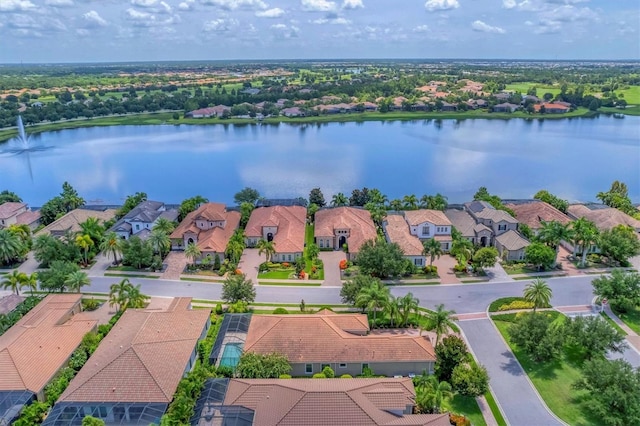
[153, 277]
[289, 284]
[493, 406]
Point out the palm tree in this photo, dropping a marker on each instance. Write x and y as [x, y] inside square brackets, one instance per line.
[431, 395]
[117, 293]
[585, 233]
[408, 304]
[267, 247]
[377, 197]
[76, 280]
[85, 242]
[159, 241]
[410, 202]
[393, 309]
[339, 200]
[441, 321]
[15, 281]
[377, 212]
[462, 247]
[538, 293]
[395, 205]
[111, 245]
[192, 252]
[134, 298]
[373, 297]
[439, 202]
[10, 246]
[432, 248]
[552, 233]
[234, 250]
[93, 229]
[32, 282]
[164, 225]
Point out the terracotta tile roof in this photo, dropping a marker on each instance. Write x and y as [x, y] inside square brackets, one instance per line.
[534, 213]
[10, 209]
[357, 221]
[214, 239]
[290, 220]
[290, 335]
[436, 217]
[397, 230]
[72, 220]
[40, 344]
[551, 107]
[334, 402]
[604, 218]
[512, 240]
[143, 357]
[28, 217]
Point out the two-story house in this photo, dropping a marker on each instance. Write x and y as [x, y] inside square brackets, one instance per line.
[427, 224]
[142, 218]
[18, 214]
[210, 227]
[396, 230]
[342, 227]
[283, 225]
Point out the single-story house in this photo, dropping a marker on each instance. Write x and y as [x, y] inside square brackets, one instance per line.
[142, 217]
[446, 106]
[511, 245]
[396, 230]
[284, 225]
[18, 214]
[210, 227]
[535, 213]
[478, 233]
[343, 225]
[551, 108]
[132, 376]
[292, 112]
[502, 96]
[427, 224]
[505, 107]
[216, 111]
[71, 221]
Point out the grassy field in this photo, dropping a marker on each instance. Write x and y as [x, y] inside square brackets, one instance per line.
[493, 405]
[631, 318]
[541, 89]
[553, 381]
[612, 323]
[630, 110]
[631, 95]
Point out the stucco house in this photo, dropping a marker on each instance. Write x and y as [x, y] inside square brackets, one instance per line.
[71, 221]
[477, 233]
[604, 217]
[535, 213]
[18, 214]
[284, 225]
[210, 227]
[344, 225]
[396, 230]
[511, 245]
[143, 217]
[505, 107]
[427, 224]
[498, 221]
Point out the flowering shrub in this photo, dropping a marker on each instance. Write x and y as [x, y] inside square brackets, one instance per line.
[302, 275]
[343, 264]
[238, 272]
[285, 264]
[314, 269]
[516, 304]
[458, 420]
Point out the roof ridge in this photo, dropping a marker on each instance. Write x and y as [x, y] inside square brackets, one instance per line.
[15, 367]
[365, 411]
[169, 397]
[302, 395]
[265, 332]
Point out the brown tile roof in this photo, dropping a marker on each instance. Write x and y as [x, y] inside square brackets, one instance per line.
[290, 220]
[40, 344]
[9, 209]
[462, 221]
[436, 217]
[143, 357]
[290, 335]
[357, 221]
[329, 402]
[397, 230]
[511, 240]
[534, 213]
[72, 220]
[28, 217]
[214, 239]
[605, 218]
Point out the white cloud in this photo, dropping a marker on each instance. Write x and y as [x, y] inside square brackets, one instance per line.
[421, 29]
[352, 4]
[319, 5]
[276, 12]
[220, 25]
[186, 5]
[15, 5]
[333, 21]
[509, 4]
[237, 4]
[156, 6]
[486, 28]
[93, 18]
[59, 3]
[433, 5]
[145, 19]
[144, 3]
[285, 31]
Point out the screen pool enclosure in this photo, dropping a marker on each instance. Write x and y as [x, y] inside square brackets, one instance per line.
[229, 343]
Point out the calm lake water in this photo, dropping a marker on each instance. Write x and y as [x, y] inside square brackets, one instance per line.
[573, 158]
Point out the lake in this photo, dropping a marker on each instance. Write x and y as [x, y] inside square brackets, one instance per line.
[572, 158]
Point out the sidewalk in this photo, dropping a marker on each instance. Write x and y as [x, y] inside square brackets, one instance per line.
[632, 336]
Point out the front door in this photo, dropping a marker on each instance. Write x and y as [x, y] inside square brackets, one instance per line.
[342, 241]
[269, 237]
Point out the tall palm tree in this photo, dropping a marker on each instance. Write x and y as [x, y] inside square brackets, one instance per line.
[441, 321]
[266, 247]
[432, 248]
[32, 282]
[392, 308]
[14, 281]
[395, 205]
[10, 246]
[432, 394]
[585, 233]
[377, 197]
[373, 298]
[538, 293]
[76, 280]
[111, 245]
[408, 304]
[192, 252]
[377, 212]
[439, 202]
[164, 225]
[117, 293]
[159, 241]
[339, 200]
[234, 250]
[552, 233]
[85, 242]
[462, 247]
[410, 202]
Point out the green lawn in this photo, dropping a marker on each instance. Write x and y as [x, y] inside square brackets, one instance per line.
[612, 323]
[541, 88]
[631, 95]
[292, 283]
[277, 274]
[493, 406]
[632, 110]
[466, 406]
[631, 318]
[155, 277]
[553, 381]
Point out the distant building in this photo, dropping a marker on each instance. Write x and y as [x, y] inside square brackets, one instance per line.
[71, 221]
[18, 214]
[216, 111]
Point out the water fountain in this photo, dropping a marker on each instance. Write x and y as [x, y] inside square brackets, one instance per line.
[22, 135]
[24, 147]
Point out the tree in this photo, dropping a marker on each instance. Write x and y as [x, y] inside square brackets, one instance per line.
[192, 252]
[619, 244]
[312, 209]
[381, 259]
[93, 229]
[539, 255]
[316, 197]
[440, 321]
[134, 298]
[54, 278]
[10, 247]
[359, 197]
[373, 298]
[537, 336]
[313, 251]
[7, 196]
[32, 282]
[585, 233]
[339, 200]
[547, 197]
[235, 246]
[14, 281]
[432, 249]
[238, 288]
[52, 210]
[266, 247]
[552, 233]
[395, 205]
[593, 336]
[164, 225]
[125, 295]
[76, 280]
[111, 245]
[617, 197]
[483, 195]
[410, 202]
[538, 293]
[431, 393]
[614, 391]
[434, 202]
[450, 352]
[85, 243]
[350, 289]
[70, 198]
[262, 366]
[470, 380]
[92, 421]
[130, 203]
[245, 213]
[190, 204]
[159, 241]
[406, 305]
[137, 253]
[392, 308]
[246, 195]
[621, 289]
[485, 257]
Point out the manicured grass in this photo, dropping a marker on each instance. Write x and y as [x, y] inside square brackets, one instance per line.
[495, 305]
[125, 268]
[630, 110]
[541, 89]
[493, 406]
[155, 277]
[466, 406]
[277, 274]
[553, 380]
[292, 283]
[308, 234]
[202, 280]
[631, 318]
[612, 323]
[631, 95]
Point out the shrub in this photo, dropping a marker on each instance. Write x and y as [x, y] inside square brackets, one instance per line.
[430, 269]
[224, 371]
[223, 270]
[239, 307]
[286, 264]
[343, 264]
[90, 304]
[285, 376]
[367, 372]
[103, 329]
[219, 309]
[238, 272]
[302, 275]
[460, 268]
[346, 376]
[264, 267]
[328, 372]
[516, 304]
[319, 376]
[78, 358]
[459, 420]
[280, 311]
[314, 268]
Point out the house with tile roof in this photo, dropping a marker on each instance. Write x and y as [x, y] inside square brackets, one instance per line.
[209, 227]
[143, 217]
[326, 402]
[340, 341]
[284, 225]
[430, 224]
[38, 346]
[396, 230]
[71, 221]
[477, 233]
[498, 221]
[18, 214]
[534, 214]
[511, 245]
[132, 376]
[338, 226]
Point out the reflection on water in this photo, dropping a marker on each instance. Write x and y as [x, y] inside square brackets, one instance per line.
[572, 158]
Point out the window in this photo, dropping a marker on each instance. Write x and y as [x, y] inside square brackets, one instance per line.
[418, 262]
[137, 227]
[502, 227]
[308, 368]
[321, 243]
[425, 230]
[289, 258]
[365, 366]
[342, 365]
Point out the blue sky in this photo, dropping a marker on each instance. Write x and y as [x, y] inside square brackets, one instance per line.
[127, 30]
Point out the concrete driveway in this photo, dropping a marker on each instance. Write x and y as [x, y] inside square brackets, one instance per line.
[331, 261]
[100, 267]
[518, 398]
[497, 273]
[30, 265]
[249, 263]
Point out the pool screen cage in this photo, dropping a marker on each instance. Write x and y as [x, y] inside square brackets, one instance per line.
[12, 403]
[233, 330]
[210, 410]
[113, 413]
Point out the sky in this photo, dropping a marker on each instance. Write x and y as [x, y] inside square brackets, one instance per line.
[44, 31]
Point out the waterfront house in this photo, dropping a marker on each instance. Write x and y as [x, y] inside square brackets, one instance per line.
[142, 217]
[396, 230]
[427, 224]
[284, 225]
[604, 217]
[551, 108]
[340, 226]
[498, 221]
[534, 214]
[511, 245]
[18, 214]
[477, 233]
[71, 221]
[505, 107]
[216, 111]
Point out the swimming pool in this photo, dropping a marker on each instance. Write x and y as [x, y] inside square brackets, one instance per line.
[231, 355]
